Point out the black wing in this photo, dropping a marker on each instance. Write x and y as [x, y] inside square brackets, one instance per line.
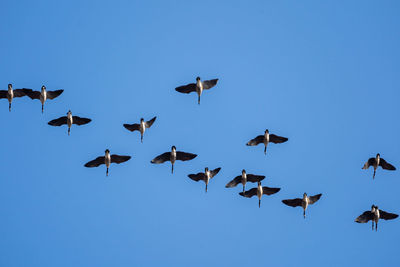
[365, 217]
[385, 165]
[119, 159]
[3, 93]
[296, 202]
[249, 193]
[270, 190]
[255, 178]
[80, 121]
[96, 162]
[386, 215]
[132, 127]
[162, 158]
[314, 199]
[186, 89]
[209, 84]
[32, 94]
[18, 92]
[277, 139]
[214, 172]
[237, 180]
[54, 94]
[197, 177]
[369, 163]
[58, 122]
[184, 156]
[150, 122]
[258, 140]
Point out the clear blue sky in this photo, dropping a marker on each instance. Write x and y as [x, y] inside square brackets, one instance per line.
[322, 73]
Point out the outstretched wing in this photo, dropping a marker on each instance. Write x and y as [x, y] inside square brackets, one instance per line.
[32, 94]
[58, 122]
[119, 159]
[80, 121]
[209, 84]
[197, 177]
[369, 163]
[258, 140]
[270, 190]
[150, 122]
[296, 202]
[96, 162]
[314, 199]
[132, 127]
[214, 172]
[162, 158]
[184, 156]
[186, 89]
[18, 92]
[255, 178]
[386, 215]
[249, 193]
[3, 93]
[237, 180]
[365, 217]
[385, 165]
[277, 139]
[54, 94]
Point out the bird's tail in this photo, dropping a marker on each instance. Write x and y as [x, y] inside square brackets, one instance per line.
[69, 130]
[259, 203]
[243, 190]
[9, 106]
[42, 108]
[304, 214]
[141, 138]
[107, 172]
[265, 150]
[373, 177]
[172, 169]
[206, 187]
[198, 100]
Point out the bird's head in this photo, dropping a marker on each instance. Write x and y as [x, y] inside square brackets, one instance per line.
[197, 78]
[243, 171]
[141, 120]
[107, 151]
[69, 112]
[206, 169]
[43, 87]
[378, 155]
[305, 194]
[9, 86]
[266, 131]
[173, 148]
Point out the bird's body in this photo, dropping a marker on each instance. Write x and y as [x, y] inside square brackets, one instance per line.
[197, 87]
[173, 156]
[69, 120]
[376, 162]
[204, 176]
[303, 202]
[10, 94]
[259, 191]
[265, 139]
[243, 179]
[141, 127]
[43, 95]
[107, 159]
[374, 215]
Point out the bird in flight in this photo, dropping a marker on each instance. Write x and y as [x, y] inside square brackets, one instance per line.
[374, 215]
[69, 120]
[197, 87]
[243, 179]
[141, 127]
[173, 156]
[43, 95]
[302, 202]
[378, 161]
[204, 176]
[107, 159]
[259, 191]
[265, 139]
[10, 93]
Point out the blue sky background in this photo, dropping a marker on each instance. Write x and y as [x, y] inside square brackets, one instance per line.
[322, 73]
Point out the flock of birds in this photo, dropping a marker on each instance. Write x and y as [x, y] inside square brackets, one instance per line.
[374, 215]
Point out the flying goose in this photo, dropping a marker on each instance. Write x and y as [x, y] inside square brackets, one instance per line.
[10, 93]
[243, 179]
[107, 159]
[204, 176]
[378, 161]
[197, 87]
[302, 202]
[141, 127]
[173, 156]
[69, 120]
[374, 215]
[259, 191]
[266, 139]
[43, 95]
